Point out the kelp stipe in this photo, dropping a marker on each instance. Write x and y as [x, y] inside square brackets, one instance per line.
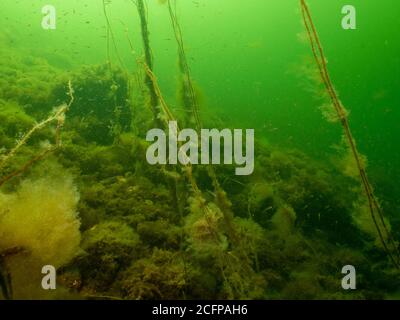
[188, 93]
[116, 129]
[110, 36]
[385, 236]
[191, 105]
[149, 60]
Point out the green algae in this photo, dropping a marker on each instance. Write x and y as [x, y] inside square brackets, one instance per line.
[282, 233]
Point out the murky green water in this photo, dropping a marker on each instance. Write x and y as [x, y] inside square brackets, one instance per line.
[80, 181]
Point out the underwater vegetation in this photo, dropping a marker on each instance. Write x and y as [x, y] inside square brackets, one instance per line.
[76, 192]
[390, 246]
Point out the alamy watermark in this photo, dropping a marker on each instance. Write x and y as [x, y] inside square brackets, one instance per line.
[49, 17]
[349, 21]
[187, 147]
[349, 280]
[49, 280]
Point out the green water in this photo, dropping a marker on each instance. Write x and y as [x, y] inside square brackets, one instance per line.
[249, 61]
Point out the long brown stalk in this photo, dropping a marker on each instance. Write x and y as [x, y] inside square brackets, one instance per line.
[192, 106]
[189, 95]
[384, 234]
[148, 59]
[188, 170]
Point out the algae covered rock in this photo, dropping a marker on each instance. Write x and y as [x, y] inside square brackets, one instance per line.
[14, 122]
[27, 80]
[160, 276]
[109, 248]
[101, 108]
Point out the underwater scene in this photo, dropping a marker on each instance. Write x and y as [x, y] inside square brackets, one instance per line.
[199, 149]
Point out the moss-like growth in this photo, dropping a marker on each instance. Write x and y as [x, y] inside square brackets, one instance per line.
[14, 122]
[40, 218]
[109, 247]
[101, 109]
[161, 276]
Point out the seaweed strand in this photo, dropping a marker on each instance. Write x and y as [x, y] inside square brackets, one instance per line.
[374, 206]
[191, 103]
[188, 169]
[110, 33]
[148, 59]
[190, 98]
[59, 117]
